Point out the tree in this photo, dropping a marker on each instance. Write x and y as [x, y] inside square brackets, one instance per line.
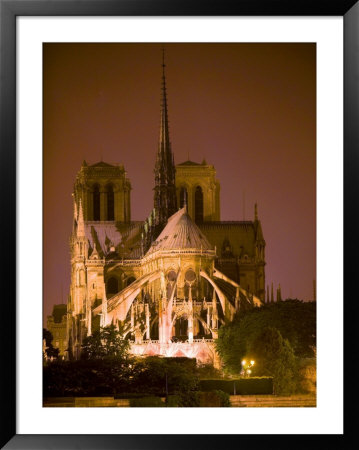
[174, 376]
[296, 321]
[274, 357]
[231, 346]
[104, 343]
[51, 351]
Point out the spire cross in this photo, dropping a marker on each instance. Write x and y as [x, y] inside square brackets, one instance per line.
[163, 58]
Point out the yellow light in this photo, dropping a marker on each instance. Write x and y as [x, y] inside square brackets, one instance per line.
[252, 362]
[249, 371]
[243, 362]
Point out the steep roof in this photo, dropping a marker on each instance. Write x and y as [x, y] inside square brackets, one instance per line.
[180, 232]
[102, 235]
[240, 234]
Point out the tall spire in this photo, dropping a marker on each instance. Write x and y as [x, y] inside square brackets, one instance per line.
[165, 191]
[164, 141]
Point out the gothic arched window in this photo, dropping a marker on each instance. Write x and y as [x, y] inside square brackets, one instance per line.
[110, 203]
[198, 205]
[183, 197]
[96, 202]
[112, 286]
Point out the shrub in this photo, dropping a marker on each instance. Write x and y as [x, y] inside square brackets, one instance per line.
[112, 376]
[151, 373]
[208, 372]
[242, 386]
[188, 399]
[214, 399]
[224, 398]
[307, 375]
[173, 401]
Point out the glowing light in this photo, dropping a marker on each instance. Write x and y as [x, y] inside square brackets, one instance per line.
[244, 362]
[252, 363]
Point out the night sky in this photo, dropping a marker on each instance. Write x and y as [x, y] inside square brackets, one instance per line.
[248, 109]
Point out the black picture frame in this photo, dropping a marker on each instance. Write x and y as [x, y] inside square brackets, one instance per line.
[9, 10]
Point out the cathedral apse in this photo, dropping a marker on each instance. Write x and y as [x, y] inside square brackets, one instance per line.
[172, 280]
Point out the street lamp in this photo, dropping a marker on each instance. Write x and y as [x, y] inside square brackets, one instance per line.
[246, 367]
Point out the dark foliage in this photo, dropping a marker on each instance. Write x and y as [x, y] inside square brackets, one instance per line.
[274, 357]
[86, 378]
[294, 319]
[106, 342]
[214, 399]
[155, 375]
[147, 402]
[242, 386]
[51, 351]
[113, 376]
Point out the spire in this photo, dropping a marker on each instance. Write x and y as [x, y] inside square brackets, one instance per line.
[165, 191]
[80, 223]
[164, 143]
[255, 211]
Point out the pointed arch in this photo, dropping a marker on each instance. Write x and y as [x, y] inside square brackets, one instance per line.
[198, 205]
[96, 202]
[110, 196]
[112, 286]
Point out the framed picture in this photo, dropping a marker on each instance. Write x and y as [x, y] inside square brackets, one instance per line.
[38, 28]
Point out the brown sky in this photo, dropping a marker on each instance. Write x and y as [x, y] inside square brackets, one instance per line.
[249, 109]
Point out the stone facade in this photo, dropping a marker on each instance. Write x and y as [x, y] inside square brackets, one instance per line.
[197, 186]
[104, 191]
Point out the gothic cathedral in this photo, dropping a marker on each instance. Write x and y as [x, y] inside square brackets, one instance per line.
[169, 282]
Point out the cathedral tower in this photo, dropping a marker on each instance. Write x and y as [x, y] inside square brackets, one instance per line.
[198, 187]
[104, 190]
[165, 190]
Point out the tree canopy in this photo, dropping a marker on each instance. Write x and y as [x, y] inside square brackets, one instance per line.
[106, 342]
[294, 319]
[51, 351]
[274, 357]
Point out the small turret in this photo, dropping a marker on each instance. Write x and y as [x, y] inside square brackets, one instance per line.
[80, 222]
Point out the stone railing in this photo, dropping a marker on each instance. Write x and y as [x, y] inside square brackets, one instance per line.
[156, 341]
[128, 262]
[95, 262]
[178, 251]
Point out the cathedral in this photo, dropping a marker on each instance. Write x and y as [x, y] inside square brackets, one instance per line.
[169, 282]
